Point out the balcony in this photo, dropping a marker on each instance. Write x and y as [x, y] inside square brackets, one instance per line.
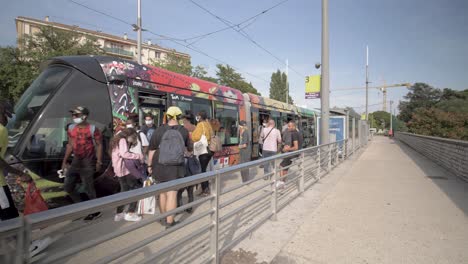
[119, 52]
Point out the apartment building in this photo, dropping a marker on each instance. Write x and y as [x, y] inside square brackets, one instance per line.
[118, 46]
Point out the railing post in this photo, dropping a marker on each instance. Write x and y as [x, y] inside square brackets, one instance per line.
[319, 151]
[274, 195]
[354, 135]
[337, 147]
[344, 153]
[214, 231]
[329, 149]
[301, 179]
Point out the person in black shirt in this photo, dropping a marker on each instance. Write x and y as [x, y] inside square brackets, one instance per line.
[148, 128]
[164, 173]
[291, 143]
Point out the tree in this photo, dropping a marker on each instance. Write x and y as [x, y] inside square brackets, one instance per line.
[201, 73]
[229, 77]
[16, 74]
[278, 87]
[19, 67]
[174, 63]
[420, 95]
[381, 119]
[439, 123]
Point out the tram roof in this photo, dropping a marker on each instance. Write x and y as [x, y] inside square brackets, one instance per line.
[150, 77]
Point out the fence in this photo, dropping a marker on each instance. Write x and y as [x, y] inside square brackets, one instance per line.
[450, 154]
[219, 221]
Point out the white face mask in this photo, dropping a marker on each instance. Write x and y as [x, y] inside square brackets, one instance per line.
[197, 118]
[129, 126]
[149, 122]
[77, 120]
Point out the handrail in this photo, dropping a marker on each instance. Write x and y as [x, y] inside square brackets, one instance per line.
[223, 201]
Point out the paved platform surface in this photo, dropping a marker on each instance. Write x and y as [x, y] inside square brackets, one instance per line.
[389, 205]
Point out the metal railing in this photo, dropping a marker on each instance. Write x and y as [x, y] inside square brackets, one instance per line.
[219, 221]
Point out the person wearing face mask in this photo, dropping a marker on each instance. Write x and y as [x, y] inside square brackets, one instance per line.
[85, 142]
[120, 148]
[148, 128]
[141, 146]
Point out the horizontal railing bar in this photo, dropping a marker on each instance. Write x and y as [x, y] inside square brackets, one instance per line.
[115, 234]
[151, 239]
[242, 195]
[71, 212]
[10, 227]
[244, 206]
[246, 232]
[238, 186]
[261, 205]
[176, 243]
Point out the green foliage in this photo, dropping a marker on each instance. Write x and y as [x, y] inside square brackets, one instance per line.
[229, 77]
[420, 95]
[278, 87]
[175, 63]
[19, 67]
[16, 73]
[435, 112]
[439, 123]
[380, 120]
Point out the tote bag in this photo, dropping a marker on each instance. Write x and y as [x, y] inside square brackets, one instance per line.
[201, 147]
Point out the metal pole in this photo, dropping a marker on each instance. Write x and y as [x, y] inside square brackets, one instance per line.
[214, 231]
[274, 194]
[391, 118]
[287, 81]
[367, 82]
[139, 32]
[354, 134]
[325, 93]
[301, 179]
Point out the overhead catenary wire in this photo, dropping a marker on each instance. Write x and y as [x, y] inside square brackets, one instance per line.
[240, 31]
[173, 40]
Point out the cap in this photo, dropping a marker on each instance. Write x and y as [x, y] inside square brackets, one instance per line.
[173, 111]
[242, 123]
[80, 110]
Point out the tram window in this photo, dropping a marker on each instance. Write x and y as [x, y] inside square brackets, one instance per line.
[33, 99]
[49, 137]
[202, 105]
[184, 106]
[228, 117]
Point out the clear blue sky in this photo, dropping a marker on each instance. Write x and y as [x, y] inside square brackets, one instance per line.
[409, 41]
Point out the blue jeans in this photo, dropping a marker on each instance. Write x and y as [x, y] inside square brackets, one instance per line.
[267, 168]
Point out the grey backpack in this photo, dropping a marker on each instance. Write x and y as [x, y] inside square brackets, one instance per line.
[172, 148]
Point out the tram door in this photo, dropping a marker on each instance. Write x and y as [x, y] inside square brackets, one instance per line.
[155, 104]
[255, 133]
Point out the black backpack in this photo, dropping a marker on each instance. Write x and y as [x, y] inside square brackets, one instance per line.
[172, 147]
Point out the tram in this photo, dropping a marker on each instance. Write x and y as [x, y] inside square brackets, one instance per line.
[112, 89]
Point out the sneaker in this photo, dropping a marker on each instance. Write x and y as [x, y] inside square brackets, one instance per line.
[280, 185]
[93, 216]
[37, 246]
[119, 217]
[132, 217]
[169, 225]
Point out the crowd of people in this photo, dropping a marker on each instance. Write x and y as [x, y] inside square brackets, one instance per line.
[181, 147]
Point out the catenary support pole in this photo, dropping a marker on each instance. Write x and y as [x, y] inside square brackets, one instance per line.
[325, 93]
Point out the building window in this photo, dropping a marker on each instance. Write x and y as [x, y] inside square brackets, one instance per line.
[157, 55]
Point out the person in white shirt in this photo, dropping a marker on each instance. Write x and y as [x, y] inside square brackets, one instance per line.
[270, 137]
[142, 143]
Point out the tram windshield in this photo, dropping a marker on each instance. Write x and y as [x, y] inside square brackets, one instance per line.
[32, 100]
